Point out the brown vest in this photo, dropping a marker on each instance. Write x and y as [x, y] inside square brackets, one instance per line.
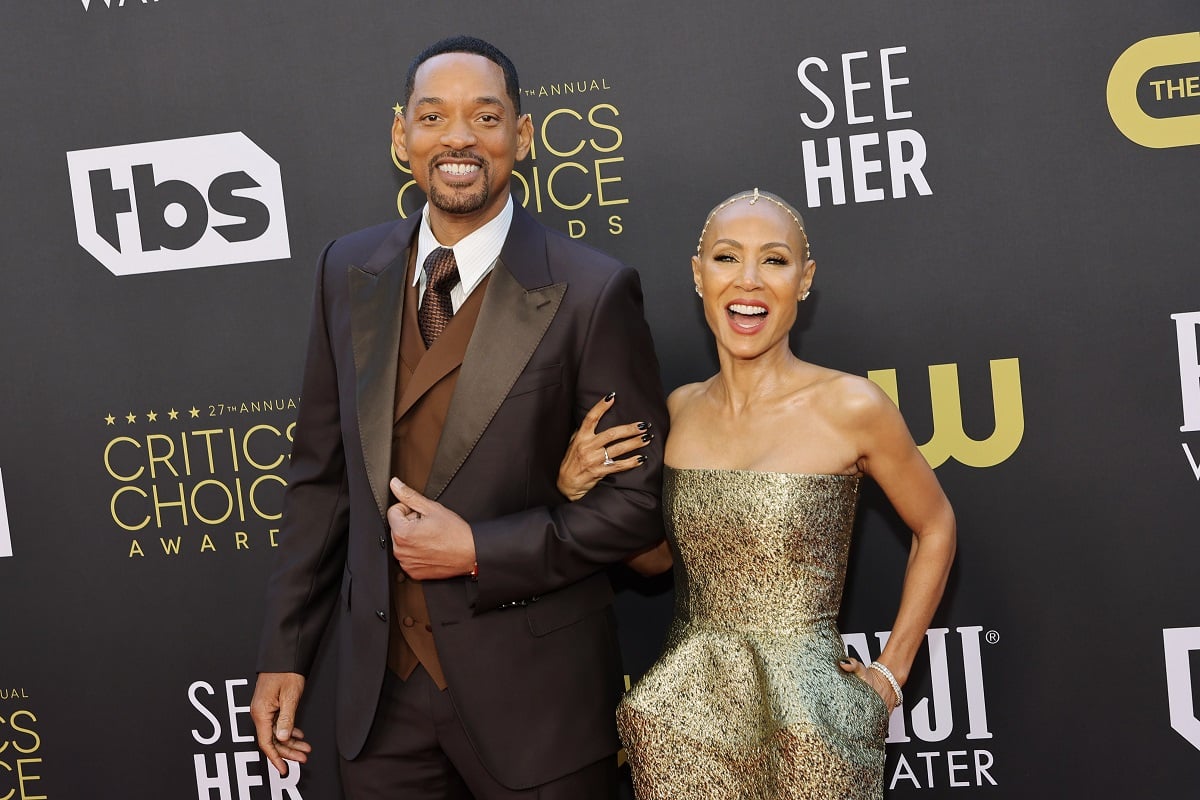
[425, 383]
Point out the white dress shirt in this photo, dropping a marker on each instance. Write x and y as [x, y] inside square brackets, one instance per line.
[475, 253]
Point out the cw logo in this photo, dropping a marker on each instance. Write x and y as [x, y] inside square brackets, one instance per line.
[949, 440]
[1178, 644]
[1134, 63]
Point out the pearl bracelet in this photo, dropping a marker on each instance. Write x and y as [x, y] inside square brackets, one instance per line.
[887, 673]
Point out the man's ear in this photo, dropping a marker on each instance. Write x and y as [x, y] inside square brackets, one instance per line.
[524, 136]
[400, 137]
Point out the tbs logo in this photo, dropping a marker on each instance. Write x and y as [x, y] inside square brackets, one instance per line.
[178, 204]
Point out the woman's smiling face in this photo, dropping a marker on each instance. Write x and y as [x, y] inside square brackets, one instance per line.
[752, 270]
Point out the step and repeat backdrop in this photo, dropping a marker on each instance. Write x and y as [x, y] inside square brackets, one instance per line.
[1002, 204]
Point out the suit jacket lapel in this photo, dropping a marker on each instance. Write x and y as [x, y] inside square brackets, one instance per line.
[518, 308]
[376, 299]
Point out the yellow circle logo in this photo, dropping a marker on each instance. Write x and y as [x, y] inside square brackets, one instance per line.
[1127, 113]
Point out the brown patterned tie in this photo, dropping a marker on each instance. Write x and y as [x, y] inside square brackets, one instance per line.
[441, 273]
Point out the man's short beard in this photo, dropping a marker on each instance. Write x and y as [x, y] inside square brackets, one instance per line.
[455, 203]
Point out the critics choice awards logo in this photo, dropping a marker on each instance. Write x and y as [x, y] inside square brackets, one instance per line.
[572, 177]
[862, 94]
[178, 204]
[21, 763]
[1154, 91]
[197, 480]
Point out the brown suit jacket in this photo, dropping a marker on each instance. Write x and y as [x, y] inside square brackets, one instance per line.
[561, 325]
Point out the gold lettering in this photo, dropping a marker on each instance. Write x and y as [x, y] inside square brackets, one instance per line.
[24, 778]
[601, 126]
[400, 198]
[601, 181]
[208, 434]
[159, 505]
[164, 459]
[254, 503]
[233, 450]
[37, 740]
[108, 462]
[246, 447]
[550, 186]
[546, 124]
[228, 502]
[948, 439]
[112, 507]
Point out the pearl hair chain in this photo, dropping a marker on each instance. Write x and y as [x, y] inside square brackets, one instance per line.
[754, 197]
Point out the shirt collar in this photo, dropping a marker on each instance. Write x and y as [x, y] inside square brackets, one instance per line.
[474, 254]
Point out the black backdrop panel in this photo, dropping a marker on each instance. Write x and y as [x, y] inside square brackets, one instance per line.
[1005, 240]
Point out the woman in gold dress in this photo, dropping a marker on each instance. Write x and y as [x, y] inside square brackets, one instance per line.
[753, 695]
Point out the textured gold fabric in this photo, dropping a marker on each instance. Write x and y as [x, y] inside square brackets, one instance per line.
[747, 699]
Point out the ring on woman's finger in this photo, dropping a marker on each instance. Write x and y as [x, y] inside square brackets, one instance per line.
[608, 462]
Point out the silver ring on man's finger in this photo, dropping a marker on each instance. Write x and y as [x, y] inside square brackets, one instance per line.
[608, 462]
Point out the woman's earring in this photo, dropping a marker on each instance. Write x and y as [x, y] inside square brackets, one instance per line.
[698, 292]
[804, 297]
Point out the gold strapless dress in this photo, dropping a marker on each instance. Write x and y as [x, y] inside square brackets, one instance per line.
[747, 699]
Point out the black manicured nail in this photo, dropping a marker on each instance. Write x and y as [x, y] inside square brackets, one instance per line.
[644, 426]
[641, 459]
[647, 437]
[608, 398]
[844, 660]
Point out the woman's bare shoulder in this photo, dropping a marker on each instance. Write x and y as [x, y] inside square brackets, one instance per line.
[852, 398]
[684, 396]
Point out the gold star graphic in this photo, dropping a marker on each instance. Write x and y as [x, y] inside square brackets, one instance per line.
[152, 416]
[131, 418]
[173, 414]
[110, 420]
[399, 109]
[195, 412]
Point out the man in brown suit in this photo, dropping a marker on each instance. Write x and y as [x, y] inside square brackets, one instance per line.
[451, 357]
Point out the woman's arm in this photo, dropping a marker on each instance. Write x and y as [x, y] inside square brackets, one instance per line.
[891, 458]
